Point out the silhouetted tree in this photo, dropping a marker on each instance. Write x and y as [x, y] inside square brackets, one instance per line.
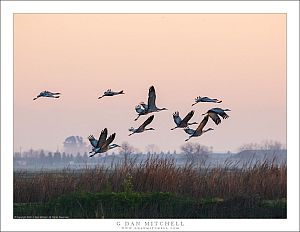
[126, 151]
[78, 158]
[64, 157]
[57, 157]
[264, 145]
[85, 156]
[42, 157]
[272, 145]
[49, 158]
[152, 149]
[74, 143]
[71, 157]
[195, 152]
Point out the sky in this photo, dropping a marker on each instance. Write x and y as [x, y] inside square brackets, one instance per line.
[237, 58]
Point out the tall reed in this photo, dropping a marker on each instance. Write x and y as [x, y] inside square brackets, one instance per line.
[264, 180]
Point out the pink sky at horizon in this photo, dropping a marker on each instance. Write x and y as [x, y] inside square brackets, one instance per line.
[237, 58]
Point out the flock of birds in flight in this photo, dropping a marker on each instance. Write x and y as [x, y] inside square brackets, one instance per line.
[103, 144]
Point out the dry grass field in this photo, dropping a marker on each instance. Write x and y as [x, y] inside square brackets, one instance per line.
[263, 183]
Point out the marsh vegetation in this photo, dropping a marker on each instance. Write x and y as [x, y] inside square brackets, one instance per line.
[154, 188]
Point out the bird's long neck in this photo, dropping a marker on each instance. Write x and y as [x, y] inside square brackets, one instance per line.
[92, 154]
[112, 146]
[206, 130]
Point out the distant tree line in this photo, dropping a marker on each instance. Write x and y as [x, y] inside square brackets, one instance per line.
[42, 158]
[270, 145]
[192, 152]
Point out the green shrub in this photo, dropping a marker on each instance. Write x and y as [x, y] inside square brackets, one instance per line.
[279, 203]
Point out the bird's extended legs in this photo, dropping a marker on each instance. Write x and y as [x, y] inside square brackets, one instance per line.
[174, 128]
[137, 117]
[188, 139]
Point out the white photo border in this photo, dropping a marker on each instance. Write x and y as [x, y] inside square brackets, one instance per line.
[9, 8]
